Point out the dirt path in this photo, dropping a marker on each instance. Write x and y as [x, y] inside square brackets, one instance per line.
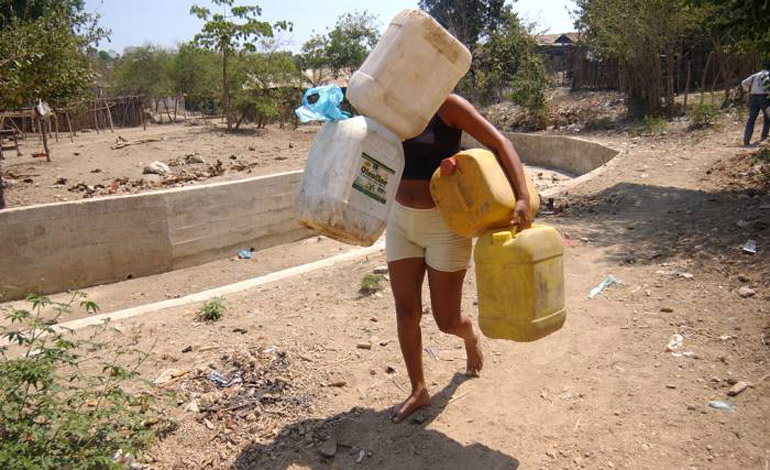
[602, 393]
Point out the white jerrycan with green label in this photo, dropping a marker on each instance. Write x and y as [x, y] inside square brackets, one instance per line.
[350, 180]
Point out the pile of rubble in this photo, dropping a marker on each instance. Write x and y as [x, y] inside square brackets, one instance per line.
[158, 175]
[247, 395]
[573, 113]
[748, 170]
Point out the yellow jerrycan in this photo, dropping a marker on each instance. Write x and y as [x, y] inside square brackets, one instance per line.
[473, 194]
[520, 283]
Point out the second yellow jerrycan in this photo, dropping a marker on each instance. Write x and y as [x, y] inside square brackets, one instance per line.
[473, 194]
[520, 283]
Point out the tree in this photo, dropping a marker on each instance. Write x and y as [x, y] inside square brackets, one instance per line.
[265, 85]
[43, 46]
[509, 65]
[344, 48]
[314, 57]
[195, 74]
[144, 70]
[468, 20]
[351, 40]
[746, 23]
[229, 33]
[644, 37]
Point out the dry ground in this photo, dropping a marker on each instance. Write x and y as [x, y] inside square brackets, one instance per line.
[321, 364]
[91, 161]
[93, 166]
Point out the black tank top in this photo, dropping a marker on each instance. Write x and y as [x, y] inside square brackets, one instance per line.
[423, 154]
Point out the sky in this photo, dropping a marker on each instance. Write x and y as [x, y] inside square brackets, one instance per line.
[167, 22]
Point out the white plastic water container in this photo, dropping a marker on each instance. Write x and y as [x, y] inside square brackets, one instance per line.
[408, 75]
[350, 180]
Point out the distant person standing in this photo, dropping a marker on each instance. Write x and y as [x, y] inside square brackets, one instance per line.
[758, 86]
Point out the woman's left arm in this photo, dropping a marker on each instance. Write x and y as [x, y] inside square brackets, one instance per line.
[460, 114]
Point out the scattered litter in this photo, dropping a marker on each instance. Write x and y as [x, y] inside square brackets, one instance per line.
[192, 407]
[242, 331]
[194, 159]
[675, 273]
[157, 168]
[245, 254]
[170, 376]
[271, 349]
[742, 223]
[432, 352]
[325, 108]
[569, 241]
[187, 349]
[221, 380]
[746, 291]
[122, 458]
[361, 455]
[666, 309]
[750, 247]
[687, 354]
[364, 345]
[738, 388]
[607, 282]
[675, 343]
[727, 337]
[720, 405]
[381, 270]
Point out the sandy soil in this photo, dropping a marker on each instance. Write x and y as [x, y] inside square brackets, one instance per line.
[602, 393]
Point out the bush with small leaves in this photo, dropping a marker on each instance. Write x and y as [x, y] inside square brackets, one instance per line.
[703, 116]
[212, 310]
[64, 400]
[371, 284]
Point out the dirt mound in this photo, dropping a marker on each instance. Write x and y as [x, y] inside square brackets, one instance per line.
[567, 112]
[747, 170]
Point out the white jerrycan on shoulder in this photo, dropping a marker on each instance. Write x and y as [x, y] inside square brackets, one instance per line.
[408, 75]
[350, 180]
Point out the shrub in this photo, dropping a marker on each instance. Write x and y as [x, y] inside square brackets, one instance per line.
[212, 310]
[371, 284]
[54, 414]
[704, 115]
[654, 125]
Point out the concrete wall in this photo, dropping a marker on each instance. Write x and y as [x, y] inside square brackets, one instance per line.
[54, 247]
[568, 154]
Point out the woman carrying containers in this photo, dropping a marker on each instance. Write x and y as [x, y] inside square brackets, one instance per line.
[418, 240]
[405, 86]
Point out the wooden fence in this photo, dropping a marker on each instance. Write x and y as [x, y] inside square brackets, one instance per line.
[698, 70]
[97, 114]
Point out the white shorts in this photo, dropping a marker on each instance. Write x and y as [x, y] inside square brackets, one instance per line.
[422, 233]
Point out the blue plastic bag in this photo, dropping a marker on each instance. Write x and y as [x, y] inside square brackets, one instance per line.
[326, 108]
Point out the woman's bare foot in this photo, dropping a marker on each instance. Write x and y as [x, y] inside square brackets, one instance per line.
[475, 361]
[416, 400]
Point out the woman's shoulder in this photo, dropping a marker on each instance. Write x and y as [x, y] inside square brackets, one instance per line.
[455, 110]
